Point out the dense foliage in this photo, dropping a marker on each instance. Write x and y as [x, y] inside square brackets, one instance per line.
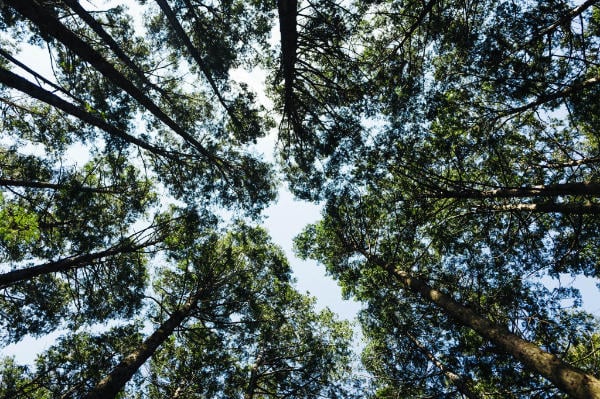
[453, 144]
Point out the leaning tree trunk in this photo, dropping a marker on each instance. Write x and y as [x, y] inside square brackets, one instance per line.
[62, 265]
[590, 189]
[586, 208]
[114, 382]
[53, 186]
[21, 84]
[49, 24]
[114, 46]
[565, 377]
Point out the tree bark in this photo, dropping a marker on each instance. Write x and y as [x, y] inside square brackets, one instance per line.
[53, 186]
[287, 10]
[50, 25]
[253, 382]
[565, 377]
[38, 77]
[578, 209]
[65, 264]
[23, 85]
[115, 381]
[551, 190]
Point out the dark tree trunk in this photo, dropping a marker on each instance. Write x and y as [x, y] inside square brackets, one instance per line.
[577, 209]
[53, 186]
[253, 381]
[551, 190]
[50, 25]
[23, 85]
[287, 10]
[565, 377]
[114, 46]
[115, 381]
[62, 265]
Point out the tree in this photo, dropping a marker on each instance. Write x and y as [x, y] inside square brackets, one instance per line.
[315, 89]
[282, 348]
[463, 180]
[362, 251]
[228, 323]
[74, 363]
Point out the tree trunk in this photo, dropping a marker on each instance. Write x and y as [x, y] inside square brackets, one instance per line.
[114, 46]
[551, 190]
[61, 265]
[565, 377]
[287, 10]
[115, 381]
[50, 25]
[38, 77]
[577, 209]
[23, 85]
[53, 186]
[254, 375]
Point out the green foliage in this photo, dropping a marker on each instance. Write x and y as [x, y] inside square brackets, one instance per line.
[452, 142]
[13, 378]
[18, 228]
[71, 366]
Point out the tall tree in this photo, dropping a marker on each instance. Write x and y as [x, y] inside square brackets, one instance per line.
[228, 323]
[282, 348]
[357, 245]
[463, 175]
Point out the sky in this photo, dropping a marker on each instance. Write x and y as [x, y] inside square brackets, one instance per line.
[285, 220]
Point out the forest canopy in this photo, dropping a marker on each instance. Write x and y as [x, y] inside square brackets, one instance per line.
[454, 147]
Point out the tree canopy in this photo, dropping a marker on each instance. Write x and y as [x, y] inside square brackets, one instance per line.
[453, 146]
